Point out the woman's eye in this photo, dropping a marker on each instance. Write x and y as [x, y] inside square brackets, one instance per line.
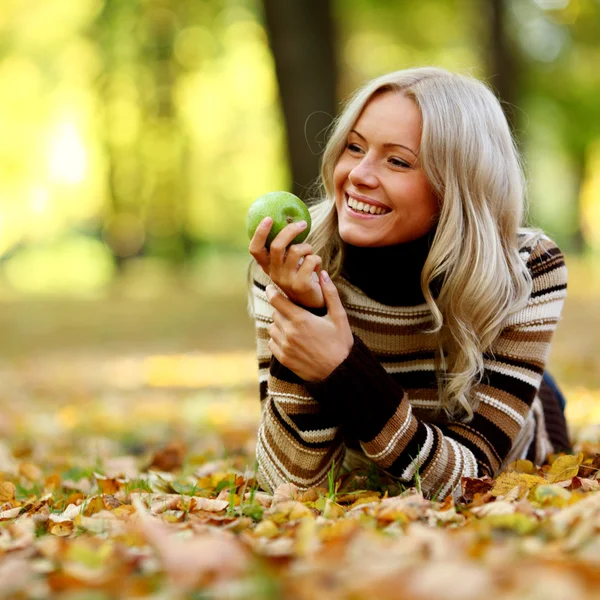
[353, 147]
[398, 162]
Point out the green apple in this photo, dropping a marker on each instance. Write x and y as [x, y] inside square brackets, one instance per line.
[284, 208]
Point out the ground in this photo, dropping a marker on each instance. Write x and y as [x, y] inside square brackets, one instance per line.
[126, 470]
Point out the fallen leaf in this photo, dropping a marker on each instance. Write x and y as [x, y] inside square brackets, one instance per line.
[475, 485]
[169, 458]
[30, 471]
[196, 561]
[564, 468]
[585, 485]
[285, 492]
[7, 491]
[266, 528]
[522, 466]
[508, 481]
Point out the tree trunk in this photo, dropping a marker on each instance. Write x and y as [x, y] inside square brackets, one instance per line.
[302, 41]
[503, 60]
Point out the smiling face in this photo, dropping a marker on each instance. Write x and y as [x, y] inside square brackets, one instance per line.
[382, 196]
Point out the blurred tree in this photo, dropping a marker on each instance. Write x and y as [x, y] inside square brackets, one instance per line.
[144, 141]
[122, 118]
[561, 85]
[503, 59]
[301, 36]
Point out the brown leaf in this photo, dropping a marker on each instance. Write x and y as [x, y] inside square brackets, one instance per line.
[108, 485]
[169, 458]
[590, 468]
[475, 485]
[585, 485]
[7, 491]
[189, 563]
[30, 471]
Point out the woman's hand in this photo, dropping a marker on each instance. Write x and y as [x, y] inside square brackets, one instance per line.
[310, 346]
[293, 268]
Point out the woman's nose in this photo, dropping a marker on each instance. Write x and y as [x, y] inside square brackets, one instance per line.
[363, 174]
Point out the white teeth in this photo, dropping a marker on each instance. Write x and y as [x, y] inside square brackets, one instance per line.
[364, 207]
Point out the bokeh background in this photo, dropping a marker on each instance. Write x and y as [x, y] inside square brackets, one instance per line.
[136, 133]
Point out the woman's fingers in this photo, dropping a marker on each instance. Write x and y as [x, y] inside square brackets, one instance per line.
[258, 242]
[276, 334]
[306, 278]
[295, 253]
[279, 246]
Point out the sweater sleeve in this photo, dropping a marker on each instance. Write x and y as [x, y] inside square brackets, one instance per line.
[378, 413]
[298, 439]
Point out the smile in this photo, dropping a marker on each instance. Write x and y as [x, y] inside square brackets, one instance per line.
[364, 207]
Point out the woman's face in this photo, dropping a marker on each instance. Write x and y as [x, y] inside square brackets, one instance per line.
[382, 196]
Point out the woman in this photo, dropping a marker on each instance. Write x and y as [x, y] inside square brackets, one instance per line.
[416, 320]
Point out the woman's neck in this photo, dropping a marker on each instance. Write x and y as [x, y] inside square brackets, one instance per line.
[390, 274]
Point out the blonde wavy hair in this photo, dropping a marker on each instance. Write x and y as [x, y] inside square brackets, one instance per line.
[471, 161]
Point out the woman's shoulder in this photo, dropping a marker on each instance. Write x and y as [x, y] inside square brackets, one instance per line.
[545, 261]
[535, 247]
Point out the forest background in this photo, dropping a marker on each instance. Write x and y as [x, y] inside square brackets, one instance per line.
[136, 133]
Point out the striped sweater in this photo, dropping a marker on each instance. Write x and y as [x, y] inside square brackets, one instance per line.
[381, 404]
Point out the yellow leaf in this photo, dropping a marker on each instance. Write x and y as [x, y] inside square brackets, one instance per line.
[61, 529]
[289, 511]
[522, 466]
[7, 491]
[564, 468]
[552, 495]
[364, 500]
[508, 481]
[517, 522]
[333, 510]
[266, 528]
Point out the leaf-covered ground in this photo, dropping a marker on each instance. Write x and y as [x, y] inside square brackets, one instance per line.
[129, 474]
[133, 477]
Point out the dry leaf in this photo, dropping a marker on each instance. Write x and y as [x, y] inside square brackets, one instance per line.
[522, 466]
[508, 481]
[289, 511]
[7, 491]
[266, 528]
[30, 471]
[285, 492]
[169, 458]
[564, 468]
[195, 561]
[208, 504]
[585, 485]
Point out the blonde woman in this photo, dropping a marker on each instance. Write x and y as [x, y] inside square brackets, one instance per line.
[412, 328]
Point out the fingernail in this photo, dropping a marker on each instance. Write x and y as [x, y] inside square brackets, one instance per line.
[326, 277]
[302, 224]
[269, 290]
[266, 221]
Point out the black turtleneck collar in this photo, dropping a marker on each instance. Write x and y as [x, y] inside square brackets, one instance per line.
[390, 275]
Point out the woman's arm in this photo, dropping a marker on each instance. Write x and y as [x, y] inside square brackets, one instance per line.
[298, 439]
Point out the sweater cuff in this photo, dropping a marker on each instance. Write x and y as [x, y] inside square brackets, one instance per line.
[320, 311]
[361, 391]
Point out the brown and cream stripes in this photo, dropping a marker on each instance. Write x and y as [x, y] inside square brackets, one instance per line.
[381, 406]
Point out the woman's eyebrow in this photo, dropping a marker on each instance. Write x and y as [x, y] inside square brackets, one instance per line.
[386, 145]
